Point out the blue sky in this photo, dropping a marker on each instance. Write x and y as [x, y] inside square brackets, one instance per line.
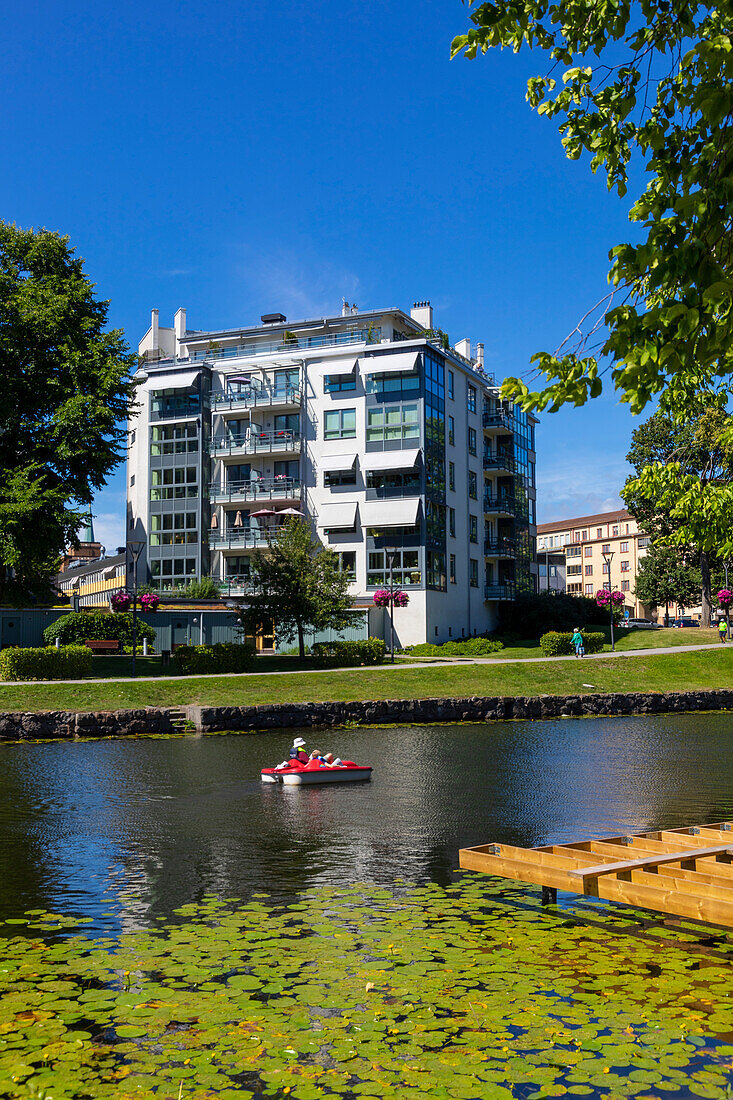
[239, 159]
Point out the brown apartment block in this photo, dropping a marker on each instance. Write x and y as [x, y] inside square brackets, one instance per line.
[570, 555]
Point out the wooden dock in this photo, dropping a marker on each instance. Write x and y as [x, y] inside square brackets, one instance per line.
[684, 872]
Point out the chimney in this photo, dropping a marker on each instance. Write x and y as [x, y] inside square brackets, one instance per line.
[180, 329]
[463, 347]
[345, 308]
[154, 338]
[480, 354]
[422, 313]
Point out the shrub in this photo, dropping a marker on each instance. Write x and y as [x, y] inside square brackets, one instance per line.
[555, 644]
[468, 647]
[70, 662]
[221, 657]
[369, 651]
[81, 626]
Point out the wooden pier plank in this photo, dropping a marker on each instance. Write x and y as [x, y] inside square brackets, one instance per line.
[620, 866]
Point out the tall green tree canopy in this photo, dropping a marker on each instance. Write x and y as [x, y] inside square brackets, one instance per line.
[651, 80]
[667, 576]
[65, 392]
[297, 586]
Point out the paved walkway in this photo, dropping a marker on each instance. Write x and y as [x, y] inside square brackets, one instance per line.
[416, 662]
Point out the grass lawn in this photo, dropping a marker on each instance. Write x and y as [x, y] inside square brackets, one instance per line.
[625, 639]
[711, 668]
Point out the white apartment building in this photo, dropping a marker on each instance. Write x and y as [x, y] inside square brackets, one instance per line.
[394, 445]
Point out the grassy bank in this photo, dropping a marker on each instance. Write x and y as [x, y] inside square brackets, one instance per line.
[707, 668]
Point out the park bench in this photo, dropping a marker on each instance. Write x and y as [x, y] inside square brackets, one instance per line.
[107, 645]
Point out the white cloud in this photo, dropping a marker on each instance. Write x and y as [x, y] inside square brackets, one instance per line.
[583, 483]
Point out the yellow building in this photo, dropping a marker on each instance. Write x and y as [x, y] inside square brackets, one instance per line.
[93, 582]
[582, 542]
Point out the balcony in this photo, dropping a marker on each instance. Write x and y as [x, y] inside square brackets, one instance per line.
[504, 503]
[235, 586]
[264, 488]
[500, 459]
[500, 591]
[502, 421]
[276, 396]
[243, 538]
[283, 347]
[254, 443]
[499, 548]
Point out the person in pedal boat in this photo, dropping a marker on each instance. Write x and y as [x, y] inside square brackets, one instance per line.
[298, 752]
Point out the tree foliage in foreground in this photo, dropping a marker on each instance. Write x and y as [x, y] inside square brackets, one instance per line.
[652, 82]
[298, 587]
[66, 388]
[667, 576]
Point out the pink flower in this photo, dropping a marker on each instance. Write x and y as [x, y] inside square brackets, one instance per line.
[725, 597]
[121, 601]
[150, 601]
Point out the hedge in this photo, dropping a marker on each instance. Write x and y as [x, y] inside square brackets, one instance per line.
[470, 647]
[554, 644]
[370, 651]
[80, 626]
[221, 657]
[531, 614]
[69, 662]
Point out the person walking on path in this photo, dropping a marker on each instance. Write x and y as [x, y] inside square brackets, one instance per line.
[577, 641]
[723, 630]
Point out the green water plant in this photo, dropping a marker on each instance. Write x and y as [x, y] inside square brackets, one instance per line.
[472, 991]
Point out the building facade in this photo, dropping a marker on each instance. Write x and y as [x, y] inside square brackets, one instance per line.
[395, 446]
[91, 584]
[581, 543]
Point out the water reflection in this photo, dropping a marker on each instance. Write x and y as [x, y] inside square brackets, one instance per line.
[127, 830]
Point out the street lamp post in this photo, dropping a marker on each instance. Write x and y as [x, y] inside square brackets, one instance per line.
[135, 546]
[390, 559]
[607, 556]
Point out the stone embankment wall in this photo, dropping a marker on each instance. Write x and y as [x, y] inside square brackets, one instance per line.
[65, 724]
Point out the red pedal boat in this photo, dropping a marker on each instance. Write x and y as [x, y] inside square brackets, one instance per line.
[300, 775]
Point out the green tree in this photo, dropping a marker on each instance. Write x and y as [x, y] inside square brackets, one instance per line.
[652, 83]
[66, 389]
[665, 576]
[675, 514]
[297, 586]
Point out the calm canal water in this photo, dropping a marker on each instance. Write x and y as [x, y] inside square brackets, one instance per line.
[127, 830]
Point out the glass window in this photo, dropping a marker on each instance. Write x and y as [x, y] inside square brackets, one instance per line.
[614, 532]
[625, 586]
[624, 567]
[589, 570]
[473, 573]
[589, 589]
[452, 561]
[599, 532]
[347, 562]
[472, 441]
[452, 522]
[340, 424]
[472, 529]
[472, 485]
[471, 398]
[451, 384]
[451, 431]
[339, 477]
[644, 542]
[606, 548]
[395, 386]
[166, 404]
[338, 383]
[584, 536]
[606, 567]
[172, 439]
[392, 422]
[436, 570]
[452, 476]
[589, 551]
[405, 568]
[624, 547]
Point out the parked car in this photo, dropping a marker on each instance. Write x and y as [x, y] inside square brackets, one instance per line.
[640, 624]
[685, 622]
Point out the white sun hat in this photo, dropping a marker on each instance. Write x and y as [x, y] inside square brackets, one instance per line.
[298, 743]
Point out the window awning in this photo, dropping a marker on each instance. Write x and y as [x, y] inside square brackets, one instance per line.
[333, 517]
[347, 367]
[405, 362]
[181, 381]
[110, 571]
[391, 513]
[391, 460]
[337, 464]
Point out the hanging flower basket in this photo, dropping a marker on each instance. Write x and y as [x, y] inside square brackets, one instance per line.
[383, 598]
[725, 598]
[150, 601]
[604, 597]
[121, 601]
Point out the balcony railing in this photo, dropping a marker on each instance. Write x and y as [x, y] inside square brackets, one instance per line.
[499, 548]
[498, 420]
[499, 460]
[271, 347]
[500, 591]
[255, 398]
[502, 503]
[257, 443]
[243, 538]
[264, 488]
